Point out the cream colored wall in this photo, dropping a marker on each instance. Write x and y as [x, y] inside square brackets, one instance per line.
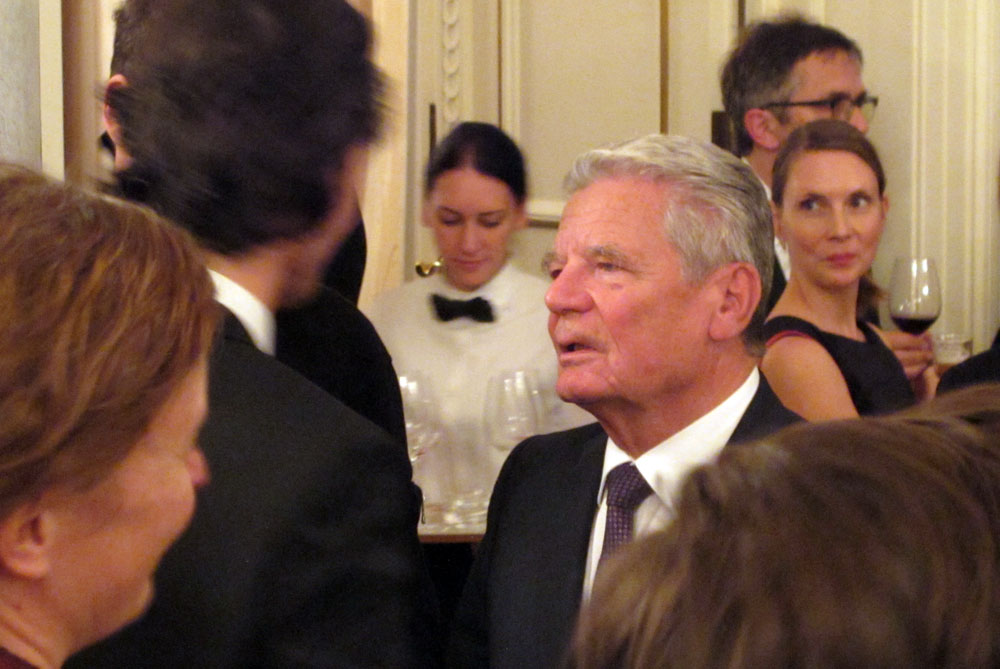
[936, 73]
[31, 130]
[515, 63]
[83, 74]
[51, 86]
[571, 84]
[384, 199]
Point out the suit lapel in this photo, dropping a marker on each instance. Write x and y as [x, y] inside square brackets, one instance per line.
[764, 415]
[581, 485]
[232, 329]
[559, 584]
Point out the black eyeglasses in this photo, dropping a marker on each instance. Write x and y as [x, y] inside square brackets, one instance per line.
[841, 106]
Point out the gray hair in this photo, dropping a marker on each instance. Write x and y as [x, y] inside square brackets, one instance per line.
[716, 212]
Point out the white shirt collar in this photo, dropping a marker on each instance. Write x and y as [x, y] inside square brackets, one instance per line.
[767, 189]
[251, 312]
[666, 464]
[780, 251]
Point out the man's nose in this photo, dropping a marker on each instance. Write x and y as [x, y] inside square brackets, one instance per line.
[858, 119]
[566, 293]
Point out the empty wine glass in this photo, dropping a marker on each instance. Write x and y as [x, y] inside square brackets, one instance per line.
[513, 410]
[422, 429]
[914, 294]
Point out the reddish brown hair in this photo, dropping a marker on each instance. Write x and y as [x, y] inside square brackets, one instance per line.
[104, 309]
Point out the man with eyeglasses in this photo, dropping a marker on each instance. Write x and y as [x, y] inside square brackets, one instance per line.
[782, 74]
[785, 73]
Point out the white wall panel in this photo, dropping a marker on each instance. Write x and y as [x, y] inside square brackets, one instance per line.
[20, 104]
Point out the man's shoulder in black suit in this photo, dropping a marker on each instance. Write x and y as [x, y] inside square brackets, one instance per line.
[981, 368]
[303, 548]
[334, 345]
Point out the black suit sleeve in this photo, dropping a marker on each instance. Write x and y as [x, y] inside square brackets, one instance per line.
[345, 584]
[331, 343]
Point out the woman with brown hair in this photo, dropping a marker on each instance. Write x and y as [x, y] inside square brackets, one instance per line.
[857, 543]
[106, 321]
[829, 206]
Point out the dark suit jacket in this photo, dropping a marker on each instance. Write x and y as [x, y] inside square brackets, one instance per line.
[334, 345]
[981, 368]
[303, 550]
[523, 594]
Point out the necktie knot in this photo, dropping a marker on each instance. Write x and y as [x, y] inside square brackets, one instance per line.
[626, 488]
[477, 308]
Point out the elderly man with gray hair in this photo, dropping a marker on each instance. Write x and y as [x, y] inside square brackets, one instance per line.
[662, 255]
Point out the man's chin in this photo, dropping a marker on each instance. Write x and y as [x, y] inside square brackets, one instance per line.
[576, 394]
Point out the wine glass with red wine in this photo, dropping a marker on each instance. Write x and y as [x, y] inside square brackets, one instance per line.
[914, 294]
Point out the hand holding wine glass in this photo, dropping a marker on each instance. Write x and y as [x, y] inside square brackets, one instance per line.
[914, 294]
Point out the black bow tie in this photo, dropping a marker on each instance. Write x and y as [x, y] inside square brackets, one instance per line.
[478, 309]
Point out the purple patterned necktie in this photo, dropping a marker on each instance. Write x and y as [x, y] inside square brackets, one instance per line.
[626, 489]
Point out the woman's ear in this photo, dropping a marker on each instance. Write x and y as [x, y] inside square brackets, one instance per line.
[26, 541]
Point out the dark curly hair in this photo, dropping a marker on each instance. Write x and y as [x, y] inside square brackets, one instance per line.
[237, 113]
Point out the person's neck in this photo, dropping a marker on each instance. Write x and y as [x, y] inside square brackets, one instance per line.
[260, 271]
[637, 428]
[27, 633]
[832, 311]
[762, 163]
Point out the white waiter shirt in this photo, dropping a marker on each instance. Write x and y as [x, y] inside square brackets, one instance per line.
[457, 358]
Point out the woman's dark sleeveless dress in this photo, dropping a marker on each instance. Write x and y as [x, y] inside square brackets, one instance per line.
[874, 376]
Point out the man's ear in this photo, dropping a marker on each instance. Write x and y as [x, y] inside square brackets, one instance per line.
[111, 122]
[26, 541]
[738, 286]
[762, 127]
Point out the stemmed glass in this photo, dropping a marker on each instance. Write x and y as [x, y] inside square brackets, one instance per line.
[914, 294]
[513, 410]
[422, 429]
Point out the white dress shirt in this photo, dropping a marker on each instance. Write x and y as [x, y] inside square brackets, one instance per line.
[665, 466]
[457, 359]
[251, 312]
[780, 251]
